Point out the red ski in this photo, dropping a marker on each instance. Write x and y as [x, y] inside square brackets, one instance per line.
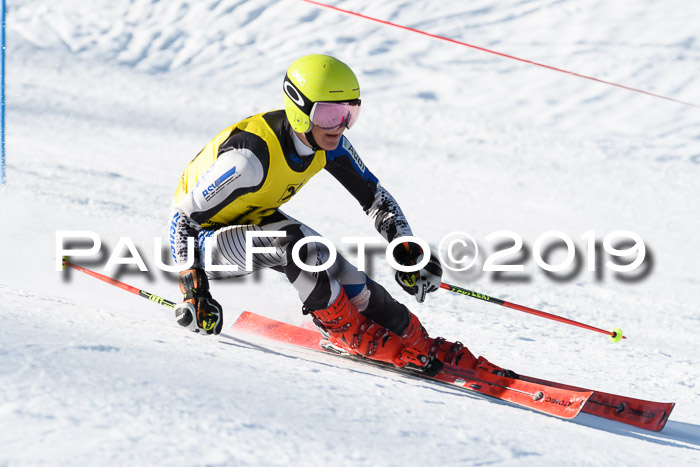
[525, 391]
[560, 402]
[636, 412]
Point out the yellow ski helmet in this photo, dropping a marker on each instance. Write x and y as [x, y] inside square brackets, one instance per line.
[316, 78]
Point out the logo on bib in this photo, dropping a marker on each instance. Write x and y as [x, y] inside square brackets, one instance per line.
[290, 191]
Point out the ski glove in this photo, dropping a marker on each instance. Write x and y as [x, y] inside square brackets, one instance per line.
[417, 283]
[199, 312]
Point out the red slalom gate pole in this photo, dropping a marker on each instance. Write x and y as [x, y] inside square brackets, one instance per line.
[501, 54]
[121, 285]
[614, 335]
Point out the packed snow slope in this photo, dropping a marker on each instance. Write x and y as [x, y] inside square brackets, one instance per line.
[108, 100]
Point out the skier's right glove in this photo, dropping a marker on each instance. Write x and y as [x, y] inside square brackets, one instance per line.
[417, 283]
[199, 312]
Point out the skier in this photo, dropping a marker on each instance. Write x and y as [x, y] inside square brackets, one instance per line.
[237, 184]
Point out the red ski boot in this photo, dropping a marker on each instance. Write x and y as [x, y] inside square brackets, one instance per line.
[452, 353]
[484, 365]
[456, 354]
[350, 330]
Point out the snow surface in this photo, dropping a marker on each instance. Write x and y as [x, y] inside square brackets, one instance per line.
[108, 100]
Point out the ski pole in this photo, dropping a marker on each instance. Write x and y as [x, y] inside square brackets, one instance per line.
[121, 285]
[615, 335]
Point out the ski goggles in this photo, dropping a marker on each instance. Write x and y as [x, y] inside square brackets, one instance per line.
[333, 115]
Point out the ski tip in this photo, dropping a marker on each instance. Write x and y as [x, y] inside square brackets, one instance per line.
[616, 335]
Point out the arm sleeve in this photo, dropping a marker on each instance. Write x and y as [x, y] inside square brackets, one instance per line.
[180, 229]
[233, 174]
[388, 218]
[346, 166]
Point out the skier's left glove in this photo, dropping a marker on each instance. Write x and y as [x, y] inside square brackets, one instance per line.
[199, 312]
[417, 283]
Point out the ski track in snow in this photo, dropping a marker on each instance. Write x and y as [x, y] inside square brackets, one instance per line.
[107, 102]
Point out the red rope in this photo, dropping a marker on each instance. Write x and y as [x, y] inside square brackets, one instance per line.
[454, 41]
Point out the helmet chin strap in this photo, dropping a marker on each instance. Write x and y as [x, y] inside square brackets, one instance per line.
[312, 141]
